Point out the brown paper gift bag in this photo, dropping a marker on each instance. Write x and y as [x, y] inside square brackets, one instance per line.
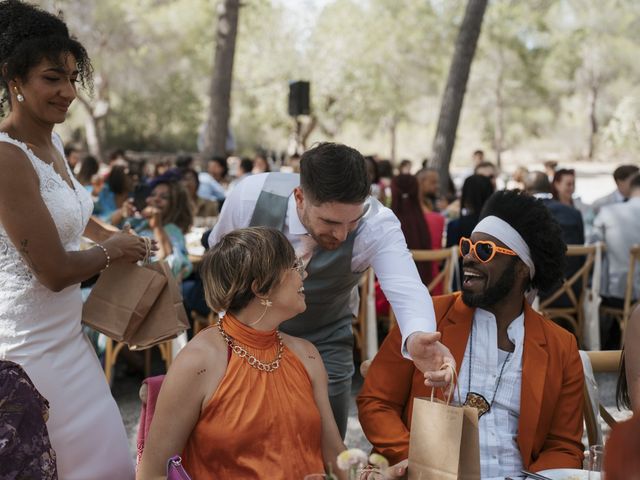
[444, 442]
[167, 317]
[121, 299]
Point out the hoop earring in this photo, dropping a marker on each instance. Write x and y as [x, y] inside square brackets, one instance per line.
[267, 303]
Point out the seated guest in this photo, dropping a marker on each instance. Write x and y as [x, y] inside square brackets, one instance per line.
[214, 181]
[628, 389]
[618, 226]
[487, 169]
[405, 203]
[570, 220]
[166, 218]
[243, 400]
[113, 199]
[200, 207]
[25, 449]
[522, 371]
[622, 176]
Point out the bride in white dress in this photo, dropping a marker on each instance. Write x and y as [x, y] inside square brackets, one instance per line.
[43, 213]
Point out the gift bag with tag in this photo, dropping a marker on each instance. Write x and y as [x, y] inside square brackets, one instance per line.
[167, 317]
[121, 299]
[444, 443]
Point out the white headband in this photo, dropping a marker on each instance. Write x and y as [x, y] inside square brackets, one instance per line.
[498, 228]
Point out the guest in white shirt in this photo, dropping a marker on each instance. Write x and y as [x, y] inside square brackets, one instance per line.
[622, 176]
[520, 370]
[213, 181]
[327, 214]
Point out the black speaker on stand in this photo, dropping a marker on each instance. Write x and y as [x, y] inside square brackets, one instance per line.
[299, 98]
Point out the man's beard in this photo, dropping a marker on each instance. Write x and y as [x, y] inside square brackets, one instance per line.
[494, 293]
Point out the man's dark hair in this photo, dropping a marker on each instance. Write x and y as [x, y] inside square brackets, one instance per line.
[246, 165]
[537, 182]
[332, 172]
[623, 172]
[222, 161]
[117, 179]
[541, 232]
[69, 149]
[484, 164]
[28, 35]
[184, 161]
[476, 190]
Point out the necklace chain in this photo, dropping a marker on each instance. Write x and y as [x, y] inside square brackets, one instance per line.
[252, 360]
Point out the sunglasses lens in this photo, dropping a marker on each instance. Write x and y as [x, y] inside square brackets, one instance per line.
[465, 246]
[484, 251]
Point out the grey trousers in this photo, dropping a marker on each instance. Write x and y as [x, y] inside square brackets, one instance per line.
[340, 403]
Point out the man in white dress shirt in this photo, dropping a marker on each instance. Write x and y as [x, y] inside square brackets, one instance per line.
[339, 231]
[522, 371]
[622, 176]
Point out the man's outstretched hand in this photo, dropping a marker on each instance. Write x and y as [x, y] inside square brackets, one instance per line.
[429, 355]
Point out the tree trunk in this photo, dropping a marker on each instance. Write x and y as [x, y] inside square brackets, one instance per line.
[454, 91]
[593, 121]
[498, 136]
[220, 90]
[92, 128]
[393, 130]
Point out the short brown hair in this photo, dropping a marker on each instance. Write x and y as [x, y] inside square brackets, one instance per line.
[242, 258]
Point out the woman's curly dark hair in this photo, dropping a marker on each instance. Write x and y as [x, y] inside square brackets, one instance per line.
[533, 221]
[28, 35]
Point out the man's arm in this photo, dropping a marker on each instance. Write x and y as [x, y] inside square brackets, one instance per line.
[383, 398]
[385, 245]
[563, 446]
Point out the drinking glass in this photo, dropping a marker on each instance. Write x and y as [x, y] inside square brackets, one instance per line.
[596, 457]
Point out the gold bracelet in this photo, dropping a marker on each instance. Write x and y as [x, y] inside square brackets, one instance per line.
[106, 253]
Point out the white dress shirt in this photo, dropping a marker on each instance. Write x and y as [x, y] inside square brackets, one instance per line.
[380, 244]
[499, 453]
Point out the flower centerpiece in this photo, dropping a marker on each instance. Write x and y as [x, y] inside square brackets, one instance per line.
[356, 462]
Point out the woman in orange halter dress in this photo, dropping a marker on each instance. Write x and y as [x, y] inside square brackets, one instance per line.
[242, 400]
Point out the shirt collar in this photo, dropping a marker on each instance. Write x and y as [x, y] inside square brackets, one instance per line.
[293, 220]
[515, 330]
[618, 196]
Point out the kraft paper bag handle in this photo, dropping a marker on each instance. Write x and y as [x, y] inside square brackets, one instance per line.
[454, 378]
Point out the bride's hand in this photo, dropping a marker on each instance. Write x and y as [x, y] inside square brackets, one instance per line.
[129, 248]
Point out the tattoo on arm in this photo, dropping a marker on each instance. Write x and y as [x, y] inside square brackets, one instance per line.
[200, 372]
[24, 250]
[311, 357]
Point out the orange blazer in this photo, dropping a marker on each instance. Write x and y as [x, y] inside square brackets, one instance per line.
[551, 402]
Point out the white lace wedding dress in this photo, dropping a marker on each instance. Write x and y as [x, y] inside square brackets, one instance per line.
[40, 330]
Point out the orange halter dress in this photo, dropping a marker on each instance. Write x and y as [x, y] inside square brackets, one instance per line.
[257, 424]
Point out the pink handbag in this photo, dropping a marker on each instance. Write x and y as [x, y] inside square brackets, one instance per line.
[175, 470]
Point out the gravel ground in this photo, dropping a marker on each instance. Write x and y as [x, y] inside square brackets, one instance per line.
[125, 391]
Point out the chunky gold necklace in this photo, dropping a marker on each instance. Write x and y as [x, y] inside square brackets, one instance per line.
[250, 359]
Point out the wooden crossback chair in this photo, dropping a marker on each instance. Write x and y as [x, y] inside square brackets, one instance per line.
[601, 361]
[113, 349]
[449, 257]
[573, 315]
[622, 314]
[359, 325]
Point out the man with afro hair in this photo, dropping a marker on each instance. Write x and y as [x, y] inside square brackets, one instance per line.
[520, 370]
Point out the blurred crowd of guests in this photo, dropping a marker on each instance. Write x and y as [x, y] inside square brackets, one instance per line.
[165, 198]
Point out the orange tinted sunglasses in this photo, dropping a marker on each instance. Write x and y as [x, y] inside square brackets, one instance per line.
[484, 250]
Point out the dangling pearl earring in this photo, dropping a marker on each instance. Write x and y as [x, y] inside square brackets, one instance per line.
[19, 96]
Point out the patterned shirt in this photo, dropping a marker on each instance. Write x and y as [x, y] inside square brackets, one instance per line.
[499, 453]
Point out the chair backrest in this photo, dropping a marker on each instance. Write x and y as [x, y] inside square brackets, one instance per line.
[447, 255]
[573, 314]
[597, 362]
[629, 301]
